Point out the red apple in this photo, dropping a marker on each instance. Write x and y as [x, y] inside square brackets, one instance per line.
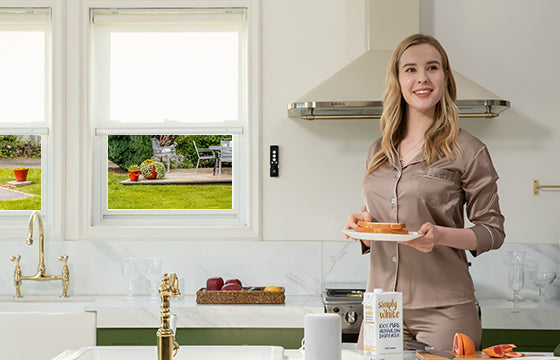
[214, 283]
[234, 281]
[232, 287]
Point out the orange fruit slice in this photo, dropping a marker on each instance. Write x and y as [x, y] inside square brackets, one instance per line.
[507, 347]
[494, 351]
[513, 354]
[463, 345]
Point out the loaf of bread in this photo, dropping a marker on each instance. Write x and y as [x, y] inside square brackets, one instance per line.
[382, 228]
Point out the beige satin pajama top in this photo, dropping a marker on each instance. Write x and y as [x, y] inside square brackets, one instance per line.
[437, 193]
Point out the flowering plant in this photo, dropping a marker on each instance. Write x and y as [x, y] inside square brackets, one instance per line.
[150, 167]
[133, 167]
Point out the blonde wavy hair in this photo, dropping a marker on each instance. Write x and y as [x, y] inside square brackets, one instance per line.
[441, 138]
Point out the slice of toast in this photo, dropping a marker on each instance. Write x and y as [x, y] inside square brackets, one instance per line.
[382, 228]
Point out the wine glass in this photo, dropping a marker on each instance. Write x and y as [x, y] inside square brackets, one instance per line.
[153, 273]
[542, 278]
[130, 270]
[516, 275]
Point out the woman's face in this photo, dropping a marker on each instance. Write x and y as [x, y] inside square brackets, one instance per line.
[421, 78]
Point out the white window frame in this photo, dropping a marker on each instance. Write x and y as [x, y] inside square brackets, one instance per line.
[13, 223]
[87, 219]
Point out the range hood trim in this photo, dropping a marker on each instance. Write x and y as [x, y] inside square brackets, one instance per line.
[333, 110]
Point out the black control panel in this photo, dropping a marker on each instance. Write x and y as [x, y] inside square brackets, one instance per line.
[273, 160]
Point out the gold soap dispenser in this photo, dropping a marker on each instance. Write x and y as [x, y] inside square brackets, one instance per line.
[167, 346]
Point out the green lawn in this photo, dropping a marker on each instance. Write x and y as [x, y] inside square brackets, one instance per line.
[167, 196]
[30, 203]
[131, 196]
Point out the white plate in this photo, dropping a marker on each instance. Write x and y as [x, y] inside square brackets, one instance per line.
[381, 237]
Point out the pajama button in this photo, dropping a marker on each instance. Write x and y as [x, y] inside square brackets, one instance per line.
[394, 259]
[393, 201]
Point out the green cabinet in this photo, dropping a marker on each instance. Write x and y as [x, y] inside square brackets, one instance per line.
[526, 340]
[287, 338]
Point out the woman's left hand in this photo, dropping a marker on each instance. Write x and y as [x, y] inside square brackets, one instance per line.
[427, 242]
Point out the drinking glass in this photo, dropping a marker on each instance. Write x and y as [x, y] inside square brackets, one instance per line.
[516, 275]
[154, 274]
[130, 270]
[542, 278]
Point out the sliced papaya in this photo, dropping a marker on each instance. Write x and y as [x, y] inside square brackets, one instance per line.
[495, 351]
[514, 354]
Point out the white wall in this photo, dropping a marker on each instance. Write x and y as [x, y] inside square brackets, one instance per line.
[511, 47]
[505, 46]
[508, 46]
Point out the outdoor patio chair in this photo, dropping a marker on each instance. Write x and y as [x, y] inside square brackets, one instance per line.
[201, 156]
[226, 154]
[167, 152]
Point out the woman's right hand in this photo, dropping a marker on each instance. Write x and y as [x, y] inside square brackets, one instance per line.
[352, 220]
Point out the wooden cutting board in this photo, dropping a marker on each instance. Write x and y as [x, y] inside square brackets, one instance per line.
[421, 355]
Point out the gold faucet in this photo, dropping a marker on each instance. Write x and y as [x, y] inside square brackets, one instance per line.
[167, 346]
[41, 274]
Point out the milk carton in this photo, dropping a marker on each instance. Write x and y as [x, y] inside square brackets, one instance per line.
[383, 337]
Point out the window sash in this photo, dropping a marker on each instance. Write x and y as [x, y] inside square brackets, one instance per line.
[14, 20]
[168, 16]
[25, 16]
[166, 131]
[35, 19]
[198, 218]
[243, 220]
[153, 22]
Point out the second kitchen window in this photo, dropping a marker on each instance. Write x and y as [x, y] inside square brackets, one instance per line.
[169, 93]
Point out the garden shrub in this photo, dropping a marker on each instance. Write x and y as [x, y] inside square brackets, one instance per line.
[14, 146]
[127, 150]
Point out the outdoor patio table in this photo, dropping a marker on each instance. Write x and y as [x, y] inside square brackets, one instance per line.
[217, 148]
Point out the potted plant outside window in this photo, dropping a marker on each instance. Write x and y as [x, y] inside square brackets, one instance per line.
[152, 169]
[21, 173]
[134, 172]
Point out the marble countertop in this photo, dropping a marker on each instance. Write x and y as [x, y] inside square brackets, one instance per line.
[145, 312]
[142, 312]
[530, 314]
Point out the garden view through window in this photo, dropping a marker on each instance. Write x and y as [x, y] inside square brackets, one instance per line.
[20, 172]
[170, 171]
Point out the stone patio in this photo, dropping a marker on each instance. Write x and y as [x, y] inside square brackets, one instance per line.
[186, 177]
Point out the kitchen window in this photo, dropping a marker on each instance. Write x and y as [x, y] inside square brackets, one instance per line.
[27, 114]
[174, 71]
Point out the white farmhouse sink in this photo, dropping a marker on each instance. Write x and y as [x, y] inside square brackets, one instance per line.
[39, 330]
[19, 306]
[185, 353]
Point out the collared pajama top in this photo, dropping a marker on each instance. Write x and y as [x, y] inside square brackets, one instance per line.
[436, 193]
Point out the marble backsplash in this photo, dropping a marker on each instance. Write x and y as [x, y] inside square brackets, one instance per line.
[302, 267]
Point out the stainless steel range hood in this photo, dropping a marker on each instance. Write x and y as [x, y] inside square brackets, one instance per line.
[355, 91]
